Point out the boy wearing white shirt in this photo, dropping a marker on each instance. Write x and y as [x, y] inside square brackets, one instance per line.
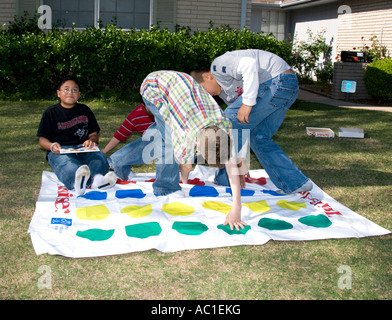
[258, 87]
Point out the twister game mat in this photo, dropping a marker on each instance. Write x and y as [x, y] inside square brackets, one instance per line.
[130, 218]
[79, 150]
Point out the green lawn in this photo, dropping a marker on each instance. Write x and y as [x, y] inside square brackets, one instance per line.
[356, 172]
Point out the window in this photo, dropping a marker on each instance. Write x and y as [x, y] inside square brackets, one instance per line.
[126, 13]
[129, 13]
[272, 21]
[269, 21]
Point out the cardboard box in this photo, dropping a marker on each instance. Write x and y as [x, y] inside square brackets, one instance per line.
[351, 133]
[320, 132]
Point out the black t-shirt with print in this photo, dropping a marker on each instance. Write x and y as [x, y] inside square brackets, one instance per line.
[67, 126]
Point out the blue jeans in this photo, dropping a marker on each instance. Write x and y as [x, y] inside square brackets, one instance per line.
[167, 169]
[129, 155]
[274, 98]
[65, 165]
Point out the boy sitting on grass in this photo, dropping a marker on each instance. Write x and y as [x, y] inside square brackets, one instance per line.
[185, 113]
[69, 124]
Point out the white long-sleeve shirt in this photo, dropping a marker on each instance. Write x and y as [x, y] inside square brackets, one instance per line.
[241, 72]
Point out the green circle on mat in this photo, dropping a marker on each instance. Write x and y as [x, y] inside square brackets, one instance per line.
[319, 221]
[96, 234]
[190, 228]
[143, 230]
[227, 229]
[274, 224]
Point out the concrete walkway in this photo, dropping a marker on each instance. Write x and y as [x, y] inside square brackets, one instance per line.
[313, 97]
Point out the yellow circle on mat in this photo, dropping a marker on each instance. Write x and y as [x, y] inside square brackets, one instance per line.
[291, 205]
[259, 206]
[177, 209]
[137, 211]
[98, 212]
[217, 206]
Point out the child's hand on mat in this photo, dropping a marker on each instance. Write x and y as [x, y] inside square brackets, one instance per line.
[233, 219]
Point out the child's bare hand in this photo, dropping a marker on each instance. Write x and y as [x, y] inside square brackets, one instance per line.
[56, 148]
[243, 113]
[233, 219]
[89, 144]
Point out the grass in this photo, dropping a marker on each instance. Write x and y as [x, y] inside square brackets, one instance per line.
[356, 172]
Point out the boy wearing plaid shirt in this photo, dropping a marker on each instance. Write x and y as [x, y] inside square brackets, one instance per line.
[183, 112]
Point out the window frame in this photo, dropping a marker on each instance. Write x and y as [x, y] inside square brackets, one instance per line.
[97, 11]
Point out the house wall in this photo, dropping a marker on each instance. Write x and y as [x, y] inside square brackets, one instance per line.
[367, 18]
[197, 14]
[7, 11]
[316, 18]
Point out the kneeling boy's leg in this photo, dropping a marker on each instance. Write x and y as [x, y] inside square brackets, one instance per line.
[131, 154]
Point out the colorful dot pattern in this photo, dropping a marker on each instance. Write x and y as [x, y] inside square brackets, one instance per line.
[178, 209]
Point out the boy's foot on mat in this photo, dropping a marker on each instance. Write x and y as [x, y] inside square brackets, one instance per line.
[306, 187]
[174, 195]
[81, 177]
[104, 182]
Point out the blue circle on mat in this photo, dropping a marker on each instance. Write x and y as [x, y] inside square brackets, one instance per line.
[273, 193]
[203, 191]
[94, 195]
[132, 193]
[244, 192]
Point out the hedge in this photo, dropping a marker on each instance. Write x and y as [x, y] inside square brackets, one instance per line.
[378, 79]
[110, 62]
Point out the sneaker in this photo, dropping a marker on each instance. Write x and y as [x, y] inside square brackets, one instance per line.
[306, 187]
[131, 175]
[174, 195]
[81, 177]
[104, 182]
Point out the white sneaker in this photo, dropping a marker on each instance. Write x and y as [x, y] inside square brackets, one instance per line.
[104, 182]
[306, 187]
[174, 195]
[81, 177]
[131, 175]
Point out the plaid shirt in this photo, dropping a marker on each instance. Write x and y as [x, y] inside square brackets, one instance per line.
[185, 106]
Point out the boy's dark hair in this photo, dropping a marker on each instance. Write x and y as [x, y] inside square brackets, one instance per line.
[215, 146]
[68, 78]
[198, 75]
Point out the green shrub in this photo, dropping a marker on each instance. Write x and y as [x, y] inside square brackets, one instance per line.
[110, 62]
[378, 79]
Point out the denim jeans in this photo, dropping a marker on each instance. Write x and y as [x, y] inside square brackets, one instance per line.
[65, 165]
[129, 155]
[274, 98]
[167, 169]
